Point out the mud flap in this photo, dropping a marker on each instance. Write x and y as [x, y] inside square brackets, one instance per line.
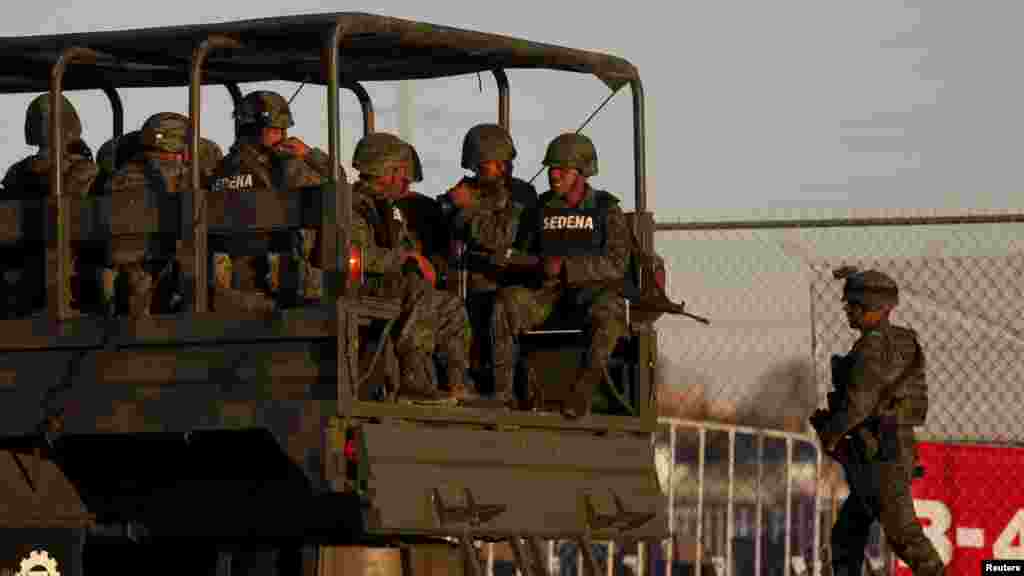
[505, 484]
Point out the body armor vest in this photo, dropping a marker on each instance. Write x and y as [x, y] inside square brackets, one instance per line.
[574, 231]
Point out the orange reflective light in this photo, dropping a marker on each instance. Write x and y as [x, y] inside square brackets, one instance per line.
[355, 265]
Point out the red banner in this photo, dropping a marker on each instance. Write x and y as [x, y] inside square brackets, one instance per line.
[971, 504]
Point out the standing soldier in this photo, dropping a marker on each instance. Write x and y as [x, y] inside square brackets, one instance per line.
[484, 214]
[585, 284]
[155, 170]
[432, 318]
[25, 279]
[880, 395]
[264, 156]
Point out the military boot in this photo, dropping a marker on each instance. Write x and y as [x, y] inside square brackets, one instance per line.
[504, 387]
[460, 386]
[417, 381]
[579, 404]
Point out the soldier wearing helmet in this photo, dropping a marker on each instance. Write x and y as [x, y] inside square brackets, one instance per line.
[25, 281]
[150, 166]
[115, 152]
[484, 211]
[482, 214]
[265, 157]
[583, 242]
[881, 395]
[435, 319]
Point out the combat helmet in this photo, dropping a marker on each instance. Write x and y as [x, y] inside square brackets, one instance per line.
[869, 288]
[379, 152]
[485, 142]
[265, 109]
[37, 121]
[571, 150]
[413, 158]
[167, 132]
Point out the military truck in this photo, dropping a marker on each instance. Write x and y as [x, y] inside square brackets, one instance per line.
[258, 441]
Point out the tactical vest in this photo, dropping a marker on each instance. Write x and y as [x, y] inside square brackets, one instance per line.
[160, 194]
[574, 231]
[254, 173]
[386, 222]
[245, 169]
[906, 397]
[423, 218]
[522, 192]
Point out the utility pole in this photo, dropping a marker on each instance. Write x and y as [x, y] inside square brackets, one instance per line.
[406, 115]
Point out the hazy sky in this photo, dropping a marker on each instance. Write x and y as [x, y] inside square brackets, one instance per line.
[753, 107]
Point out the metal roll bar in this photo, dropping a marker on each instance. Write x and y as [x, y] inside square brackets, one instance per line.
[58, 307]
[504, 106]
[199, 195]
[116, 109]
[369, 118]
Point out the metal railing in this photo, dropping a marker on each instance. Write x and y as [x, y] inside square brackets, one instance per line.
[733, 493]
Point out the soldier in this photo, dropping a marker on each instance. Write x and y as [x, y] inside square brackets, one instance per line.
[432, 319]
[485, 210]
[25, 278]
[881, 394]
[264, 156]
[127, 146]
[155, 169]
[483, 214]
[584, 285]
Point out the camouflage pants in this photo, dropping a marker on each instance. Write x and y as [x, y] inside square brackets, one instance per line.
[884, 487]
[434, 321]
[518, 309]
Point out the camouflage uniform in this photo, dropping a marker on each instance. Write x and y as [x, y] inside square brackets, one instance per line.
[491, 222]
[433, 319]
[588, 287]
[488, 225]
[130, 284]
[248, 165]
[885, 397]
[25, 281]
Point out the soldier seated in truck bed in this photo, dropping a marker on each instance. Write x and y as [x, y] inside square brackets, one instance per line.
[140, 275]
[24, 265]
[264, 156]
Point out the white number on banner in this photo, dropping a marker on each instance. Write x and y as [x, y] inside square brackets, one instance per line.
[939, 519]
[1004, 548]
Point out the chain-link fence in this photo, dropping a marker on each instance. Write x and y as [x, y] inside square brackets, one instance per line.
[777, 318]
[776, 313]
